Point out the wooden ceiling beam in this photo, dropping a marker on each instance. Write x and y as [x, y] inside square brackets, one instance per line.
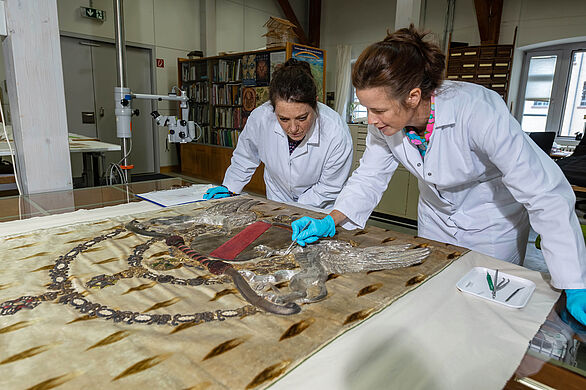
[314, 22]
[488, 15]
[290, 15]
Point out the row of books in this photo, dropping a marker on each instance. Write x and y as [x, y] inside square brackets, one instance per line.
[222, 137]
[200, 113]
[199, 91]
[191, 71]
[226, 70]
[227, 94]
[228, 117]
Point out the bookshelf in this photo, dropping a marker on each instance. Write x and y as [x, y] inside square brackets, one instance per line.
[216, 86]
[223, 91]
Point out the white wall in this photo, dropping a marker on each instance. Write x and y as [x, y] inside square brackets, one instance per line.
[362, 23]
[353, 23]
[171, 27]
[239, 23]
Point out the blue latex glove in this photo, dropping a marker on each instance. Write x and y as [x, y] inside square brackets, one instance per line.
[576, 304]
[217, 193]
[317, 228]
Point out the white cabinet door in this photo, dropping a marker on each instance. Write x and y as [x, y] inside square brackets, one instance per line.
[400, 198]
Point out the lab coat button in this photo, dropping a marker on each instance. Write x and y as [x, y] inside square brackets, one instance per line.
[428, 173]
[418, 164]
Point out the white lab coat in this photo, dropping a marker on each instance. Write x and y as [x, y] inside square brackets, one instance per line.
[480, 179]
[313, 174]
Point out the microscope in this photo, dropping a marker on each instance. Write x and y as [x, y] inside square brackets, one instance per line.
[180, 130]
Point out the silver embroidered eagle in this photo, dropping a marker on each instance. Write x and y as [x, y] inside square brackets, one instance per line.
[306, 284]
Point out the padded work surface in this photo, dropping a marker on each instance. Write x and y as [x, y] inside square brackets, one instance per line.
[95, 305]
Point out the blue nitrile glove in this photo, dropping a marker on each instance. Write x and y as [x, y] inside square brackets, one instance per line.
[217, 193]
[317, 228]
[576, 304]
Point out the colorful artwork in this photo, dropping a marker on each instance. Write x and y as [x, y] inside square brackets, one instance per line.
[316, 59]
[248, 99]
[262, 95]
[262, 69]
[248, 70]
[277, 58]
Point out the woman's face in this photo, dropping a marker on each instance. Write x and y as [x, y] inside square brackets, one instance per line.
[388, 115]
[295, 118]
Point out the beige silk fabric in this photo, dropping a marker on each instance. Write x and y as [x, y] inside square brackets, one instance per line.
[155, 319]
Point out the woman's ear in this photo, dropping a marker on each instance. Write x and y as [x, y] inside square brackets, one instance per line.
[414, 98]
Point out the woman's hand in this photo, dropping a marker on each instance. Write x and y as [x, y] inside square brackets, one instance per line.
[576, 304]
[307, 230]
[217, 193]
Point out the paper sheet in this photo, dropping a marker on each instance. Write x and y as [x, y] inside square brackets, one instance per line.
[177, 196]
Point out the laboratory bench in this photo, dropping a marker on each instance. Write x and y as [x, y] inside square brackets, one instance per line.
[556, 356]
[91, 151]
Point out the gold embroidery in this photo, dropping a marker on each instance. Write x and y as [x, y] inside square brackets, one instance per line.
[16, 326]
[114, 337]
[26, 354]
[416, 279]
[156, 306]
[269, 373]
[297, 328]
[225, 347]
[357, 316]
[54, 382]
[142, 365]
[226, 291]
[369, 289]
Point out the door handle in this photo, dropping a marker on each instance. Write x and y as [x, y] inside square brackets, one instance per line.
[101, 111]
[89, 44]
[87, 117]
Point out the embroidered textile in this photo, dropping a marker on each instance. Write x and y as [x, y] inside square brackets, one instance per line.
[97, 305]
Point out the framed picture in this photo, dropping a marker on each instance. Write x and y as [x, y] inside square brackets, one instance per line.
[317, 61]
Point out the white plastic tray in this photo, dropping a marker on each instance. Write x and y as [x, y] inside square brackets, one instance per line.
[475, 283]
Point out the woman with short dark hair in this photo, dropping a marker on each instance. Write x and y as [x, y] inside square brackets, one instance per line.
[482, 181]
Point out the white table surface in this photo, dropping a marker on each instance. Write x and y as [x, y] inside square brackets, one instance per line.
[77, 144]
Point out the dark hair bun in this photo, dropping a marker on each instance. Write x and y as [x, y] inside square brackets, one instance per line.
[293, 62]
[293, 82]
[403, 60]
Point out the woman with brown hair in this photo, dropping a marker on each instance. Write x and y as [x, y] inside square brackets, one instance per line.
[482, 181]
[305, 146]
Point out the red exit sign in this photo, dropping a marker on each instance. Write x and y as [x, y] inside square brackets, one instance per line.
[160, 63]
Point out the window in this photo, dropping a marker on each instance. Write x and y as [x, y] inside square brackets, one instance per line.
[358, 112]
[539, 103]
[553, 97]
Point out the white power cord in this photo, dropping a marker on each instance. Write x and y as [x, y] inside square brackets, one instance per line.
[116, 167]
[10, 148]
